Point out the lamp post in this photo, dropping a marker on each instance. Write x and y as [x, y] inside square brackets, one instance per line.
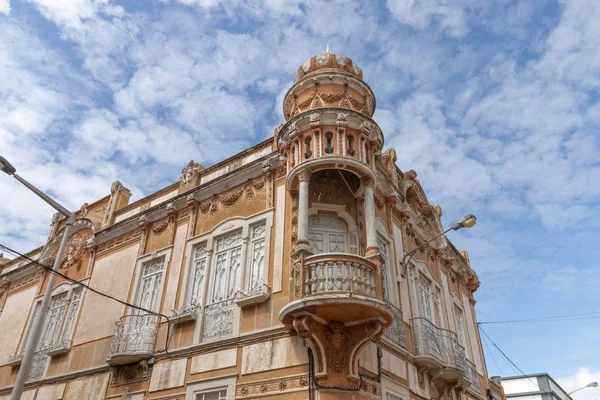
[589, 385]
[465, 222]
[38, 322]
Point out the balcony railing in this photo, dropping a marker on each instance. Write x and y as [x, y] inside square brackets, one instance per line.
[338, 273]
[218, 320]
[443, 347]
[426, 339]
[396, 332]
[472, 376]
[134, 338]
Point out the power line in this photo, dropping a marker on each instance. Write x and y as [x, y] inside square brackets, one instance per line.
[91, 289]
[566, 317]
[492, 354]
[508, 359]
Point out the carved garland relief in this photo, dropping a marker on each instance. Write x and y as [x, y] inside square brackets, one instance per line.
[320, 99]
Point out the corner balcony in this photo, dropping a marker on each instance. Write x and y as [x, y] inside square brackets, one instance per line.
[438, 349]
[336, 287]
[330, 138]
[134, 339]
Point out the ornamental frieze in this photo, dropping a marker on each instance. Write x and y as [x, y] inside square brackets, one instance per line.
[272, 387]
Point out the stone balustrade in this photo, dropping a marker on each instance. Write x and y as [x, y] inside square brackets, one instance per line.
[338, 273]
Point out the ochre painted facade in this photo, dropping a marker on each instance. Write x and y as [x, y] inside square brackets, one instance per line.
[277, 274]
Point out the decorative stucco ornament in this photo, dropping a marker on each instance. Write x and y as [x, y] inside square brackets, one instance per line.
[341, 60]
[189, 173]
[75, 250]
[322, 58]
[306, 65]
[336, 342]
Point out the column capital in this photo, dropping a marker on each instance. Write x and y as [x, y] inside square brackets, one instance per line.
[367, 181]
[304, 175]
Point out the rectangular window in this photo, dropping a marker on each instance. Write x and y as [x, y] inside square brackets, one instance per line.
[391, 396]
[151, 284]
[425, 297]
[220, 394]
[459, 320]
[199, 262]
[228, 257]
[388, 273]
[254, 281]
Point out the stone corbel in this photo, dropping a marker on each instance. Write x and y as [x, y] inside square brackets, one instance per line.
[315, 119]
[145, 225]
[90, 244]
[192, 204]
[172, 215]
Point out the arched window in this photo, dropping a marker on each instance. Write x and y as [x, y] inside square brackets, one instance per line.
[327, 234]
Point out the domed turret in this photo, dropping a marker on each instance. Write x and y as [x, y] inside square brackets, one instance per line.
[328, 61]
[329, 81]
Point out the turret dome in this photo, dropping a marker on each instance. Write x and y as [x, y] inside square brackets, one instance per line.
[328, 61]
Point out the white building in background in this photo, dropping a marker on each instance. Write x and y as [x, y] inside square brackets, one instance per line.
[533, 387]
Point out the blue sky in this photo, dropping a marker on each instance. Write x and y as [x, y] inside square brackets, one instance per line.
[494, 104]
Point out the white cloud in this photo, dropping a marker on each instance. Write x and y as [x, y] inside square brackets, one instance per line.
[580, 379]
[5, 6]
[421, 13]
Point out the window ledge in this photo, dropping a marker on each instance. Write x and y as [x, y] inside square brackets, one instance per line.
[258, 296]
[59, 348]
[15, 360]
[184, 314]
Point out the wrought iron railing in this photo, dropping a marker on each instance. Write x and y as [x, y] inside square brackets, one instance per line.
[426, 339]
[339, 273]
[396, 332]
[218, 321]
[442, 345]
[135, 334]
[472, 376]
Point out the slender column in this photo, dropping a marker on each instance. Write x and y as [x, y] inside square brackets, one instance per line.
[303, 177]
[370, 227]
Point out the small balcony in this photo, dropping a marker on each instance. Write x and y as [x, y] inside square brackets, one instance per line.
[438, 349]
[218, 320]
[330, 285]
[396, 333]
[134, 339]
[472, 377]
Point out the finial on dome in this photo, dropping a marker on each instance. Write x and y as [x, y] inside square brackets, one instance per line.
[327, 50]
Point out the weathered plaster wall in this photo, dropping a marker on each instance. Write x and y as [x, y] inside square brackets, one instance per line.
[111, 275]
[92, 388]
[175, 270]
[52, 392]
[273, 354]
[13, 321]
[167, 375]
[214, 361]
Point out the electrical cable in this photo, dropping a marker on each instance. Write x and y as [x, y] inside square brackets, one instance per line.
[566, 317]
[74, 281]
[509, 360]
[492, 354]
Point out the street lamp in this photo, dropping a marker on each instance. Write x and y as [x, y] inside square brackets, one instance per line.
[38, 322]
[589, 385]
[468, 221]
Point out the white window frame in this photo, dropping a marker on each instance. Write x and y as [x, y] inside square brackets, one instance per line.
[166, 253]
[460, 333]
[60, 289]
[226, 227]
[394, 388]
[391, 270]
[341, 213]
[415, 270]
[228, 383]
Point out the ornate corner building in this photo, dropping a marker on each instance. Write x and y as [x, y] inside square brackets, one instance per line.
[278, 269]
